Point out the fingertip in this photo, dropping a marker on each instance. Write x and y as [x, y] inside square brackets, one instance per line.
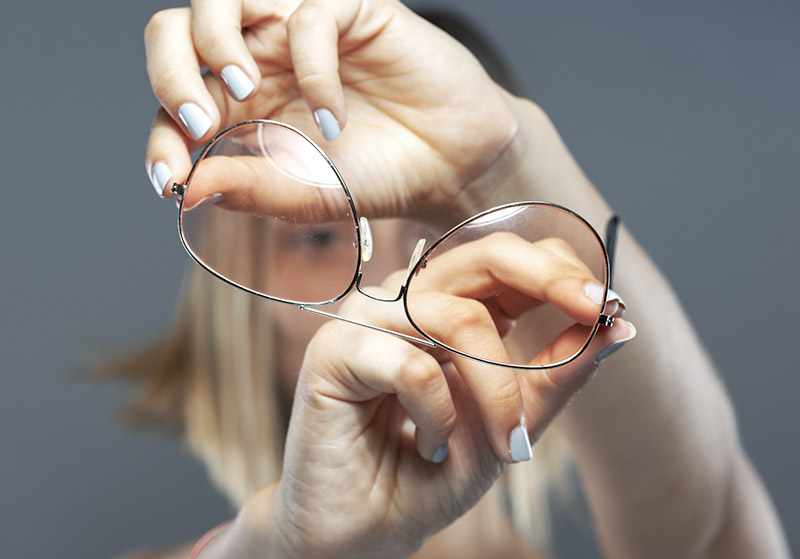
[440, 455]
[327, 124]
[239, 84]
[613, 298]
[160, 174]
[519, 443]
[618, 343]
[313, 31]
[167, 160]
[194, 119]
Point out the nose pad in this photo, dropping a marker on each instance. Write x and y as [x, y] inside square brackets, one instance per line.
[416, 254]
[366, 239]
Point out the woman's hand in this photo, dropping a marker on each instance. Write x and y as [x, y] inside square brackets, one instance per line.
[418, 118]
[389, 443]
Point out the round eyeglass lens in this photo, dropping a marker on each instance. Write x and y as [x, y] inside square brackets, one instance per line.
[265, 209]
[510, 286]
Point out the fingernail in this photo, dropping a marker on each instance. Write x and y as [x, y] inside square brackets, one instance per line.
[327, 124]
[440, 454]
[194, 119]
[613, 297]
[237, 81]
[616, 346]
[159, 175]
[594, 291]
[207, 201]
[519, 443]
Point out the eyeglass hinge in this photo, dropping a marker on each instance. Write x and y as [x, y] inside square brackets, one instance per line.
[605, 320]
[178, 189]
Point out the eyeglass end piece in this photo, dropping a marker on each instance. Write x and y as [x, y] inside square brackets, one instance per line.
[605, 320]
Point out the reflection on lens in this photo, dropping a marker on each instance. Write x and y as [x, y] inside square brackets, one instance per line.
[284, 227]
[298, 160]
[514, 281]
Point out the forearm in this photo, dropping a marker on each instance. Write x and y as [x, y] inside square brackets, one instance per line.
[654, 434]
[655, 438]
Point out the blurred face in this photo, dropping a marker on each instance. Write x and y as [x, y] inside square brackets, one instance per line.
[315, 259]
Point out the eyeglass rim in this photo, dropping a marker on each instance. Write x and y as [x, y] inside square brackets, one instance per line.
[606, 283]
[179, 189]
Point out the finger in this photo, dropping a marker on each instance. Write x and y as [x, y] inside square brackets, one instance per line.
[256, 184]
[175, 74]
[313, 31]
[546, 270]
[465, 323]
[217, 32]
[461, 322]
[373, 363]
[547, 392]
[168, 157]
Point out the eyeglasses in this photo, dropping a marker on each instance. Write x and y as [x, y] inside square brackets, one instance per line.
[266, 210]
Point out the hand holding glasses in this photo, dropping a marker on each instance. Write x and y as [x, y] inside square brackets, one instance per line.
[264, 208]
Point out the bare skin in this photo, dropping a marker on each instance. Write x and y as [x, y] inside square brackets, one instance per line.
[688, 489]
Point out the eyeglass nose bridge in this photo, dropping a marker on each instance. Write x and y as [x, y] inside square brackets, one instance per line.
[367, 246]
[415, 256]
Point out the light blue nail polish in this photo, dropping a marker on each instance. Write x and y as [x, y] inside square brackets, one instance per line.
[159, 176]
[440, 454]
[616, 346]
[520, 444]
[327, 124]
[194, 119]
[237, 81]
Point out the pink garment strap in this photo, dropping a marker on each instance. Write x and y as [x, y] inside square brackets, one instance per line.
[198, 547]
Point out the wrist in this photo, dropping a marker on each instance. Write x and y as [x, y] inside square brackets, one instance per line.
[255, 532]
[534, 165]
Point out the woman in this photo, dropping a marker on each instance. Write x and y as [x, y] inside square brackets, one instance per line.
[420, 131]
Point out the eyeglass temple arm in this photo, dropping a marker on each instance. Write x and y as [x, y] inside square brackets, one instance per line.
[366, 325]
[612, 228]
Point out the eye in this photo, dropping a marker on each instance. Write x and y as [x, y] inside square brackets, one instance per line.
[319, 237]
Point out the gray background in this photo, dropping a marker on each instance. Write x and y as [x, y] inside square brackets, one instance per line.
[684, 114]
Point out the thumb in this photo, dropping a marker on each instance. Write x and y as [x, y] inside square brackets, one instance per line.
[547, 392]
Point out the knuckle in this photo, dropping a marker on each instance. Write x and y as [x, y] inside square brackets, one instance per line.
[503, 237]
[161, 20]
[211, 41]
[555, 244]
[168, 82]
[421, 372]
[559, 248]
[499, 239]
[422, 375]
[307, 16]
[466, 314]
